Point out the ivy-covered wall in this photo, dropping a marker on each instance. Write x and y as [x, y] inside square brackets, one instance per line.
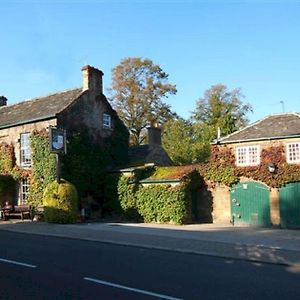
[161, 194]
[84, 165]
[43, 166]
[222, 169]
[9, 173]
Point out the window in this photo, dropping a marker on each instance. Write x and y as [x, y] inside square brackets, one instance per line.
[293, 153]
[247, 156]
[24, 185]
[25, 150]
[106, 120]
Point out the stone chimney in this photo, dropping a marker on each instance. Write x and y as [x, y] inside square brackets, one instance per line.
[3, 101]
[92, 80]
[154, 136]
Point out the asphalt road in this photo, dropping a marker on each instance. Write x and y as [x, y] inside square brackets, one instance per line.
[38, 267]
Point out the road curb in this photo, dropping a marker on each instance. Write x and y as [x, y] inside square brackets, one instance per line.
[233, 251]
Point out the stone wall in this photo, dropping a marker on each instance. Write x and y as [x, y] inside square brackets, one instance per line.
[221, 203]
[263, 144]
[86, 113]
[11, 135]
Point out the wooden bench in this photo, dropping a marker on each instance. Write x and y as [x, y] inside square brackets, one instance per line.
[16, 211]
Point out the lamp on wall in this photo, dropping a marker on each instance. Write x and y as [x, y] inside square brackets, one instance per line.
[272, 168]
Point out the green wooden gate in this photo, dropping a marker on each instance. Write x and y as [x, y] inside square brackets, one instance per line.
[250, 204]
[289, 203]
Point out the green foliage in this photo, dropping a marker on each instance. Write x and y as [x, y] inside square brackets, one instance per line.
[111, 204]
[117, 143]
[158, 202]
[60, 202]
[185, 142]
[84, 165]
[43, 166]
[7, 158]
[127, 197]
[165, 173]
[220, 167]
[221, 108]
[138, 85]
[164, 203]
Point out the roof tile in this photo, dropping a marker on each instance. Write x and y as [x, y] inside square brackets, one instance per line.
[37, 109]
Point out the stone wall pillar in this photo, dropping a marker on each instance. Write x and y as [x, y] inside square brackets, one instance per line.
[274, 207]
[221, 203]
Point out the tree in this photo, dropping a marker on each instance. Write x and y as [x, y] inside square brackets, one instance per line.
[221, 108]
[184, 142]
[138, 85]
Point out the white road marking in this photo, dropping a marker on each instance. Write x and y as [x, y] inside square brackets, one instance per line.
[17, 263]
[131, 289]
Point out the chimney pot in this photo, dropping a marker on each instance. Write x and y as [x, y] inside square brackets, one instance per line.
[92, 79]
[3, 101]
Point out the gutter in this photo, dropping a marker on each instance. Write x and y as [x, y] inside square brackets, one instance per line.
[149, 181]
[256, 139]
[28, 121]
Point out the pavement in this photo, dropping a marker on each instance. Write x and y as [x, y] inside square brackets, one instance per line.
[259, 245]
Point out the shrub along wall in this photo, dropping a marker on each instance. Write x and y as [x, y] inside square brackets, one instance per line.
[159, 201]
[164, 203]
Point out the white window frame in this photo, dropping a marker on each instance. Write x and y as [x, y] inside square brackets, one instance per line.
[106, 120]
[293, 157]
[23, 192]
[247, 150]
[25, 152]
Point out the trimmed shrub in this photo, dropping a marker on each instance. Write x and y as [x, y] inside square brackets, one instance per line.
[164, 203]
[60, 202]
[127, 198]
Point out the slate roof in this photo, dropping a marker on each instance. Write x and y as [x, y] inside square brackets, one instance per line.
[37, 109]
[144, 154]
[272, 127]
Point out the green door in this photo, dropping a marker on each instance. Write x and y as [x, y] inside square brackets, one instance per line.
[289, 203]
[250, 204]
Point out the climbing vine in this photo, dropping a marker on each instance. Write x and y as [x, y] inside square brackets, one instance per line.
[43, 169]
[84, 165]
[7, 159]
[221, 168]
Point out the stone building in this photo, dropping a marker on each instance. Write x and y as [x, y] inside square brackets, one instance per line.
[268, 153]
[84, 108]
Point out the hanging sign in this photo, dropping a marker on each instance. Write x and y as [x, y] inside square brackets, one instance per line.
[57, 140]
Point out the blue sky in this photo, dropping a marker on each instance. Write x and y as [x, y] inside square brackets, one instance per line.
[253, 45]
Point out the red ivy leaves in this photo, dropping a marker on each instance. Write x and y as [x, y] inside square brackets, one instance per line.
[222, 158]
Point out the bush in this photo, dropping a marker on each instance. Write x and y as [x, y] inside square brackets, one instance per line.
[127, 198]
[164, 203]
[60, 202]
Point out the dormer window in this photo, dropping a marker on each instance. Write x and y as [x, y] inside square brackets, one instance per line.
[25, 150]
[106, 120]
[247, 156]
[293, 153]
